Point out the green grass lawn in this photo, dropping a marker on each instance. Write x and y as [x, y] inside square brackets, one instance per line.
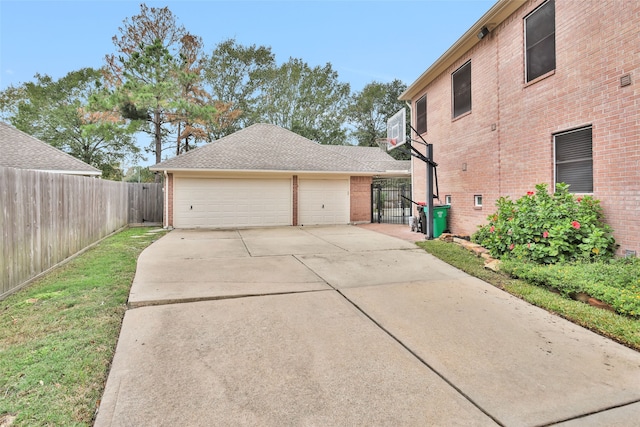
[58, 335]
[623, 329]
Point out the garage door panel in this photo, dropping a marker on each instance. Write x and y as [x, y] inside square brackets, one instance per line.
[323, 201]
[201, 202]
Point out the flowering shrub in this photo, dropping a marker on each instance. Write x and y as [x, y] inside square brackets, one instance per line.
[547, 228]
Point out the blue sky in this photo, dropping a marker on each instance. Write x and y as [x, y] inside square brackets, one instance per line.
[363, 40]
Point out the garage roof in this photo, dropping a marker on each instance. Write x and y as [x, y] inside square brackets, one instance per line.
[374, 157]
[266, 147]
[23, 151]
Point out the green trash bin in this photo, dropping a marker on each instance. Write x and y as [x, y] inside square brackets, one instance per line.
[440, 219]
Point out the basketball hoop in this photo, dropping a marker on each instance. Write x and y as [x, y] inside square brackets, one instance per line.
[386, 144]
[396, 130]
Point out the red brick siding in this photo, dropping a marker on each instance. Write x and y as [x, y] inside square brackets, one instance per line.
[596, 43]
[169, 197]
[360, 198]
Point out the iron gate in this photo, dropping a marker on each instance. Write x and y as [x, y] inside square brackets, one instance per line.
[388, 205]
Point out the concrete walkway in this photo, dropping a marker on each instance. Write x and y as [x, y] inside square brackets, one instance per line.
[336, 326]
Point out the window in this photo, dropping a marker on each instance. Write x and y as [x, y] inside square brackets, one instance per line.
[421, 115]
[461, 82]
[477, 200]
[540, 41]
[574, 159]
[447, 199]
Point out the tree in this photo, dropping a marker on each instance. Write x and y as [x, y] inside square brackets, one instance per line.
[370, 109]
[234, 75]
[308, 101]
[154, 79]
[194, 113]
[139, 174]
[57, 112]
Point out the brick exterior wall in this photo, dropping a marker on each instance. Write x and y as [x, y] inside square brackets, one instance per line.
[360, 197]
[506, 142]
[169, 198]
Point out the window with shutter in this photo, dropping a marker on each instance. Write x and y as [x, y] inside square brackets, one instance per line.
[574, 159]
[540, 41]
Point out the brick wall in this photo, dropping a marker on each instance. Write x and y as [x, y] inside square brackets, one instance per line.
[506, 143]
[360, 198]
[169, 196]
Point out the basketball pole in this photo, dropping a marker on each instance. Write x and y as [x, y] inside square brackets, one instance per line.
[427, 158]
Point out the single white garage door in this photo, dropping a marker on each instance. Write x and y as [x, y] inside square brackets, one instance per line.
[323, 201]
[222, 203]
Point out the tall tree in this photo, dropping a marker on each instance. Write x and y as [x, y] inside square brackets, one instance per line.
[234, 75]
[153, 78]
[305, 100]
[55, 111]
[370, 109]
[195, 113]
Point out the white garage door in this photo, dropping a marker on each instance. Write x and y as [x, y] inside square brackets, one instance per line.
[323, 201]
[221, 203]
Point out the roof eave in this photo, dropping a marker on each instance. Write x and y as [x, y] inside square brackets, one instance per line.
[263, 171]
[494, 17]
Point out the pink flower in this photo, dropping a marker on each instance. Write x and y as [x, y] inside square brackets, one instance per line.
[492, 229]
[511, 246]
[530, 193]
[545, 234]
[576, 225]
[579, 199]
[529, 245]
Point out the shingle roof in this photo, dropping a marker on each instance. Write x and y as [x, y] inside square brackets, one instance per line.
[22, 151]
[266, 147]
[374, 157]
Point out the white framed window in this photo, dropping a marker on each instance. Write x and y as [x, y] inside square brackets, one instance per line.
[540, 41]
[447, 199]
[477, 200]
[574, 159]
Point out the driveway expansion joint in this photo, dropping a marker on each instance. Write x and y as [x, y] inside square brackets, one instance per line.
[156, 303]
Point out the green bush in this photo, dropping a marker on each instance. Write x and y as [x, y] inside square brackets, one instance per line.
[616, 282]
[547, 228]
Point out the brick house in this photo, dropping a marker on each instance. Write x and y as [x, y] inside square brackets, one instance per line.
[537, 91]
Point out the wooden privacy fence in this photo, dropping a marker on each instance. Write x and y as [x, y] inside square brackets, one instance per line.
[145, 203]
[46, 218]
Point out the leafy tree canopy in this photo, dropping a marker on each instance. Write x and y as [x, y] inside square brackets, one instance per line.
[305, 100]
[56, 112]
[370, 109]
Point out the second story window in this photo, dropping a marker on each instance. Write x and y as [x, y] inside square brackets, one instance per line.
[461, 88]
[540, 41]
[421, 115]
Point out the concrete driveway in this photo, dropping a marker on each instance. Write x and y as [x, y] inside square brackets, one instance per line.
[337, 326]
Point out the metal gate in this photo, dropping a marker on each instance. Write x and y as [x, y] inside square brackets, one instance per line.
[388, 205]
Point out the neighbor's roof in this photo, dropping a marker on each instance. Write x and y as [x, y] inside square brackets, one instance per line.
[498, 13]
[22, 151]
[266, 147]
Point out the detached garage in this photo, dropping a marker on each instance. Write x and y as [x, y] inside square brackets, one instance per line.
[265, 175]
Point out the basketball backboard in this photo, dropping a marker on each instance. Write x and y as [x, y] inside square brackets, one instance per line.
[397, 130]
